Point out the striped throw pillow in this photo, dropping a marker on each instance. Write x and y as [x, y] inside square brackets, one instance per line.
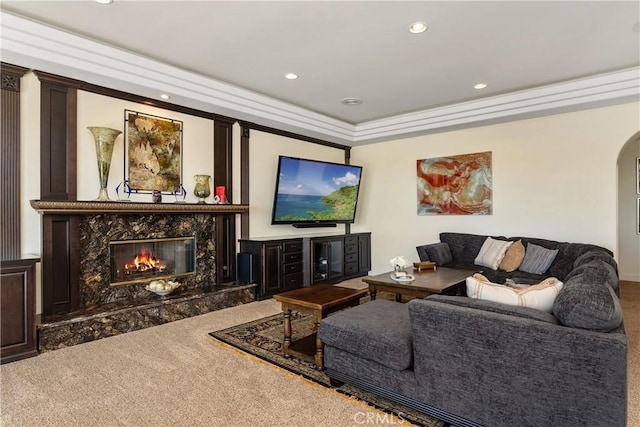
[540, 296]
[491, 253]
[537, 259]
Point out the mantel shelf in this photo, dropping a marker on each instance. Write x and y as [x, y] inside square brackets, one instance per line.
[64, 207]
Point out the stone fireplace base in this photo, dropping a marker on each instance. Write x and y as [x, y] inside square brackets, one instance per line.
[65, 330]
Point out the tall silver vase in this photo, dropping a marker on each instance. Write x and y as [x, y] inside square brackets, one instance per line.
[105, 139]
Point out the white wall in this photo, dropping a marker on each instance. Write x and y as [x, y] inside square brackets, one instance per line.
[554, 177]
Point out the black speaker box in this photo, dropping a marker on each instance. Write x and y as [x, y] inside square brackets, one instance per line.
[245, 267]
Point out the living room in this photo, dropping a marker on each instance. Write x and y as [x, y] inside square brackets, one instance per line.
[556, 175]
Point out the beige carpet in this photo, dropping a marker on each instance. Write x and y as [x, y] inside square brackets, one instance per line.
[176, 375]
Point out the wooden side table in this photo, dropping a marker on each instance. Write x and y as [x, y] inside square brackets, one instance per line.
[318, 301]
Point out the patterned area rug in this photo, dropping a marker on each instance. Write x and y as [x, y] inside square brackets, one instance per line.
[263, 338]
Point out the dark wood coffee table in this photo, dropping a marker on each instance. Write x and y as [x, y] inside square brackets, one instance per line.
[319, 301]
[447, 281]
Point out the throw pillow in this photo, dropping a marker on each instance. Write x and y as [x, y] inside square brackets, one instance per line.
[537, 259]
[513, 257]
[435, 252]
[492, 252]
[540, 296]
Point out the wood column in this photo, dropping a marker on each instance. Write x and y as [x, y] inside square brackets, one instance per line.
[244, 180]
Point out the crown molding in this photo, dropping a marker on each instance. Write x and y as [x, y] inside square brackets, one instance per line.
[34, 45]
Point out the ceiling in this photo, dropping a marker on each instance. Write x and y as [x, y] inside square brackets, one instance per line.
[357, 49]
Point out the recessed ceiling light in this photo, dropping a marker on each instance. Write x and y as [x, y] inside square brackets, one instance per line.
[291, 76]
[104, 1]
[164, 96]
[418, 27]
[479, 86]
[351, 101]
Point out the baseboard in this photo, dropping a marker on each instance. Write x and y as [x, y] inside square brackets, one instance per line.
[411, 403]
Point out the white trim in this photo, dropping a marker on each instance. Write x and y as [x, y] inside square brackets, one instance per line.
[30, 44]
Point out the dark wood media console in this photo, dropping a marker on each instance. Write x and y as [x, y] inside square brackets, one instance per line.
[281, 264]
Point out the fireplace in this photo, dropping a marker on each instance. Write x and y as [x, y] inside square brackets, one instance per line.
[180, 239]
[133, 261]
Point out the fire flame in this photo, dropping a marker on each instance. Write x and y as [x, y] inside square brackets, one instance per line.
[145, 261]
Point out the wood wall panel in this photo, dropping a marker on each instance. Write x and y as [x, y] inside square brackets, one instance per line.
[10, 162]
[58, 181]
[60, 265]
[225, 224]
[58, 135]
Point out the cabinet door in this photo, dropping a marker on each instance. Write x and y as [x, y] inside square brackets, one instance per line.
[336, 258]
[327, 259]
[364, 253]
[271, 268]
[17, 311]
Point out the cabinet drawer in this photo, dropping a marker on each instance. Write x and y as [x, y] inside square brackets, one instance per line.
[293, 247]
[292, 257]
[351, 240]
[351, 268]
[351, 249]
[293, 281]
[350, 258]
[296, 267]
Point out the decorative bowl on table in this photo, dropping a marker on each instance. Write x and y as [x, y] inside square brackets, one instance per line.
[162, 287]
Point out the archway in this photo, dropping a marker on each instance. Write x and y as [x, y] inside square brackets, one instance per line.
[629, 210]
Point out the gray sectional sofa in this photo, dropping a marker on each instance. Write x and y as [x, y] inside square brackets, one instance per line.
[476, 362]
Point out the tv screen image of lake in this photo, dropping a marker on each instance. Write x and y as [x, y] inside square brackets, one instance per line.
[298, 206]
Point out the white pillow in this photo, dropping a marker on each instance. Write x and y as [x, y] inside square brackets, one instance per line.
[492, 252]
[540, 296]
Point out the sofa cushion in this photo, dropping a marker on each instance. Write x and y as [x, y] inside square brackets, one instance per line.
[463, 246]
[435, 252]
[513, 257]
[537, 259]
[598, 270]
[596, 254]
[378, 330]
[492, 252]
[588, 302]
[496, 307]
[540, 296]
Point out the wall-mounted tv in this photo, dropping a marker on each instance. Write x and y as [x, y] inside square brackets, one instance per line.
[315, 193]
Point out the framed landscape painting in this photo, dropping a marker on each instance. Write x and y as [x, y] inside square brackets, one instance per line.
[455, 185]
[153, 152]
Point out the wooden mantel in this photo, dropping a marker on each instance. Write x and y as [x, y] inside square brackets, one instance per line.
[64, 207]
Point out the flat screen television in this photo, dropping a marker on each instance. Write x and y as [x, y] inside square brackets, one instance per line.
[312, 193]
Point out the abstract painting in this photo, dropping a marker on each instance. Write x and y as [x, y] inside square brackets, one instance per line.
[153, 154]
[455, 185]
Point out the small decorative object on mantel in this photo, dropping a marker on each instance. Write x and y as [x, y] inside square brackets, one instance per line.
[104, 139]
[126, 189]
[156, 196]
[424, 265]
[221, 197]
[399, 264]
[202, 190]
[180, 193]
[162, 287]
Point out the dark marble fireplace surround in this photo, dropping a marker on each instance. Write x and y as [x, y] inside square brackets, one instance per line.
[96, 231]
[107, 310]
